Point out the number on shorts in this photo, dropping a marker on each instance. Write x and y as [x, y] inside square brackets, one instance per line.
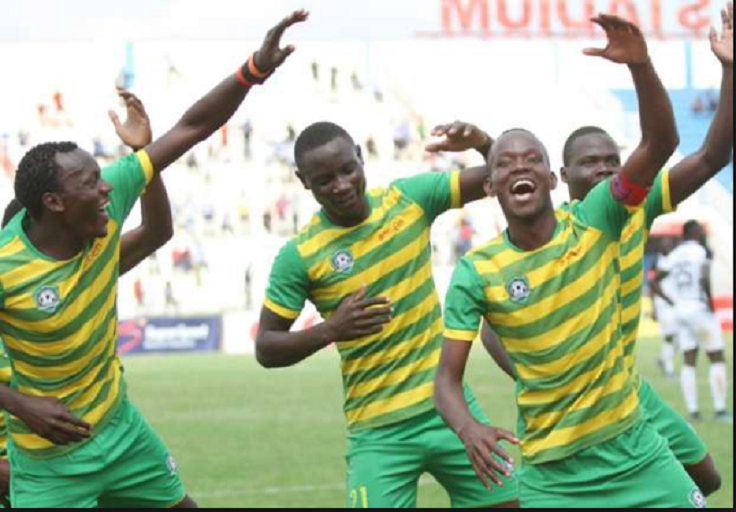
[360, 495]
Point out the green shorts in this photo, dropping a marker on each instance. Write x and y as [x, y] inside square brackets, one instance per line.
[385, 465]
[684, 441]
[634, 470]
[126, 465]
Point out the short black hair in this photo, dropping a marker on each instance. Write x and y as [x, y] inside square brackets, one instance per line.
[579, 134]
[520, 130]
[38, 174]
[11, 211]
[692, 229]
[316, 136]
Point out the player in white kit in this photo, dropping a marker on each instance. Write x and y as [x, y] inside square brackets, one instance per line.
[666, 317]
[684, 282]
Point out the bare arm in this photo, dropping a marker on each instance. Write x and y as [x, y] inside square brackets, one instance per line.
[481, 442]
[657, 287]
[660, 138]
[708, 286]
[493, 345]
[695, 171]
[157, 226]
[216, 108]
[458, 137]
[357, 317]
[155, 231]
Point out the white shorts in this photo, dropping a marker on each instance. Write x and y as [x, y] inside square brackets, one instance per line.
[698, 328]
[666, 317]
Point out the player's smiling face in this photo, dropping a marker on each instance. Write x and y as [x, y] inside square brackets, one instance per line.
[594, 158]
[520, 176]
[335, 175]
[84, 200]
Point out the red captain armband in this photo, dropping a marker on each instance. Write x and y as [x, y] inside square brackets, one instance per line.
[627, 192]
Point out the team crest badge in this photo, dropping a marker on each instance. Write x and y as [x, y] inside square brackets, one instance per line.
[698, 500]
[520, 290]
[48, 299]
[343, 262]
[171, 465]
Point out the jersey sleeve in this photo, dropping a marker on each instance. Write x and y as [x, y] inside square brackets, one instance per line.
[603, 211]
[129, 178]
[465, 305]
[288, 288]
[659, 202]
[435, 193]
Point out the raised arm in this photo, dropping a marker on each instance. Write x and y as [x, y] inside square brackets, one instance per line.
[216, 108]
[157, 226]
[695, 171]
[459, 137]
[357, 317]
[660, 139]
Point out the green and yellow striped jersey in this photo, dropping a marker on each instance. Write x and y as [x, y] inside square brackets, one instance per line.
[59, 319]
[5, 377]
[557, 311]
[633, 249]
[387, 378]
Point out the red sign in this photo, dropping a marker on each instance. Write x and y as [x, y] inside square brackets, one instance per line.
[571, 18]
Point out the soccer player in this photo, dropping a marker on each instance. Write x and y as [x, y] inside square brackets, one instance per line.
[550, 287]
[45, 416]
[59, 267]
[666, 319]
[365, 262]
[591, 156]
[689, 270]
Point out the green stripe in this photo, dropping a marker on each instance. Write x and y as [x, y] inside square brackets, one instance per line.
[70, 329]
[596, 438]
[364, 232]
[556, 318]
[574, 342]
[420, 353]
[407, 332]
[569, 401]
[416, 380]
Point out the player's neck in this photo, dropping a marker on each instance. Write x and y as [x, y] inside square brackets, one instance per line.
[530, 234]
[53, 239]
[351, 222]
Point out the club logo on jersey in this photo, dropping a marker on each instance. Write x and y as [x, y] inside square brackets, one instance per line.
[343, 262]
[698, 499]
[520, 290]
[48, 299]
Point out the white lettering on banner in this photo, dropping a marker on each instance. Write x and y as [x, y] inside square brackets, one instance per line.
[178, 337]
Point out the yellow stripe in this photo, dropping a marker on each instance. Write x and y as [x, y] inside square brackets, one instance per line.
[563, 365]
[559, 300]
[548, 421]
[31, 442]
[574, 326]
[396, 353]
[633, 285]
[326, 237]
[456, 191]
[669, 206]
[12, 248]
[400, 322]
[54, 324]
[631, 313]
[147, 165]
[289, 314]
[392, 404]
[542, 275]
[106, 347]
[567, 436]
[362, 248]
[394, 378]
[91, 393]
[470, 336]
[375, 273]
